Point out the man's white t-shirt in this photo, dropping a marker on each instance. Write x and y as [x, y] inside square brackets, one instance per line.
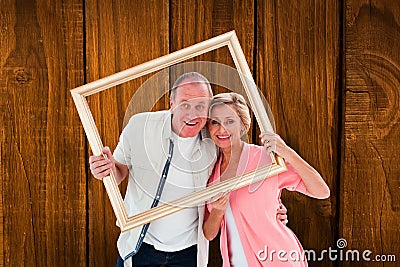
[179, 230]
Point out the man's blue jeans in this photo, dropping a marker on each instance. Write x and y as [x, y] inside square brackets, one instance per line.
[148, 256]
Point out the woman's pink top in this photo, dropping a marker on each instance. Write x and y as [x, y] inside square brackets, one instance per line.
[265, 240]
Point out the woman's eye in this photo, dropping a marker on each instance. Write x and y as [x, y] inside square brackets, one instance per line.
[214, 122]
[230, 121]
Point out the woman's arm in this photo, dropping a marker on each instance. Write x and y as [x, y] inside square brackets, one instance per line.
[315, 184]
[212, 222]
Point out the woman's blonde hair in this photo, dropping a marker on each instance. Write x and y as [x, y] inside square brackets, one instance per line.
[238, 102]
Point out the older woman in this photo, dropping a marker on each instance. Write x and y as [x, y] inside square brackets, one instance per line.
[251, 235]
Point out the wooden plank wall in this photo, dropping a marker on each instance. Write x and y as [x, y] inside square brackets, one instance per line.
[370, 184]
[297, 68]
[329, 70]
[43, 151]
[115, 42]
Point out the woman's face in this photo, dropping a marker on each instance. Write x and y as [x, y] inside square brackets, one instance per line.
[225, 125]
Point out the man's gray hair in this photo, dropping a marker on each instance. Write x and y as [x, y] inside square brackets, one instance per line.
[190, 77]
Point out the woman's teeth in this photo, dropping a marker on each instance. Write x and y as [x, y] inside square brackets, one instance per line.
[223, 136]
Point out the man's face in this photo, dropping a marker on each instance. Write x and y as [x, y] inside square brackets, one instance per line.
[189, 107]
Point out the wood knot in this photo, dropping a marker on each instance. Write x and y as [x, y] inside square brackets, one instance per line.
[325, 208]
[22, 77]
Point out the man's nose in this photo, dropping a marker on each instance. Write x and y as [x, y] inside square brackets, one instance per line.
[195, 113]
[192, 113]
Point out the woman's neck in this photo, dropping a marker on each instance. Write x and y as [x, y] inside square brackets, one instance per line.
[232, 152]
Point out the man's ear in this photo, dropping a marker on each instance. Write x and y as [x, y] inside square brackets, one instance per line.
[171, 105]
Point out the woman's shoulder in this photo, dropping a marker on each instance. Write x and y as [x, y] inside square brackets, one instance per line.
[254, 156]
[255, 150]
[254, 147]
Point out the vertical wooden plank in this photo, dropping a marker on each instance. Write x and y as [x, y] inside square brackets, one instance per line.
[43, 178]
[297, 70]
[194, 21]
[119, 34]
[370, 203]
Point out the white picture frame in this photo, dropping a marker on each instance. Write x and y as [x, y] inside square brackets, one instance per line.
[80, 94]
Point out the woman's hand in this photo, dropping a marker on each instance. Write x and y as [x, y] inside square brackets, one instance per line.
[220, 204]
[212, 221]
[274, 143]
[314, 183]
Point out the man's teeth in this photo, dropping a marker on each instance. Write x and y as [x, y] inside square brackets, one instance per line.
[191, 123]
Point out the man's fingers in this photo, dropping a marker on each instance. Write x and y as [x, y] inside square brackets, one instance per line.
[282, 217]
[106, 150]
[101, 169]
[93, 159]
[101, 174]
[100, 163]
[282, 207]
[101, 166]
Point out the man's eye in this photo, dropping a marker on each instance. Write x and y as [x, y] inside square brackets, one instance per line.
[185, 105]
[199, 107]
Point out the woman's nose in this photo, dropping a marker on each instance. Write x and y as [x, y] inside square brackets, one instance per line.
[221, 129]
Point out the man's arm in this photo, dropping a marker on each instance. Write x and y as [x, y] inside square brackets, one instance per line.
[100, 167]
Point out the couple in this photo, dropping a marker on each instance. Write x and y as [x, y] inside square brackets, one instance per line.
[168, 154]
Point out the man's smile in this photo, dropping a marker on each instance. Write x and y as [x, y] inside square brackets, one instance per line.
[191, 123]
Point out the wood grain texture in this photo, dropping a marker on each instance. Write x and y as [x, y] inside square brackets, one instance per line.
[43, 178]
[52, 211]
[120, 34]
[194, 21]
[370, 203]
[297, 70]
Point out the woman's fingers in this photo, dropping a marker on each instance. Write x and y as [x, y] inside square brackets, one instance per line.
[222, 202]
[273, 143]
[265, 137]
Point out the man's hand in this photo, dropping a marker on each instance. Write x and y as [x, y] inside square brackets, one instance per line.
[101, 167]
[281, 213]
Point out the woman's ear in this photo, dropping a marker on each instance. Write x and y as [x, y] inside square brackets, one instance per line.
[242, 128]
